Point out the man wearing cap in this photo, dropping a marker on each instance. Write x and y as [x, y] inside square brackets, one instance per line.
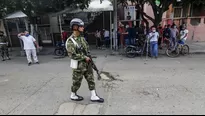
[29, 47]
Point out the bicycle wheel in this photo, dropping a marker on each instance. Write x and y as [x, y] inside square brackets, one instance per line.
[130, 52]
[185, 50]
[165, 44]
[172, 53]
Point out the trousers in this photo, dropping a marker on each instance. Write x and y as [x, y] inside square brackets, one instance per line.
[32, 52]
[4, 51]
[173, 42]
[154, 48]
[78, 77]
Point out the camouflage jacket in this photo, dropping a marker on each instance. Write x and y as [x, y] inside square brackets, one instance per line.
[3, 39]
[75, 53]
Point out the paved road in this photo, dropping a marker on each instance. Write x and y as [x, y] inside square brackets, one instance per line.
[38, 89]
[163, 86]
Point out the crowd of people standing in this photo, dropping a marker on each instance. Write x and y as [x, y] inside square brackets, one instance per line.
[157, 36]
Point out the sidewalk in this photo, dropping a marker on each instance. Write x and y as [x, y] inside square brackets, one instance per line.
[195, 48]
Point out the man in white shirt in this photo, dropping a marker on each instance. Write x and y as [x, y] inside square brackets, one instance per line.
[98, 39]
[154, 36]
[107, 38]
[183, 35]
[29, 47]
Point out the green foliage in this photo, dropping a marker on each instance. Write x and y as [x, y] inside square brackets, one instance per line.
[38, 7]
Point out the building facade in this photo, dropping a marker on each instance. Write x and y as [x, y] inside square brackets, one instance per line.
[192, 15]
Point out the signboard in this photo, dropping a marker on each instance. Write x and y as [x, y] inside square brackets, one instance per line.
[130, 13]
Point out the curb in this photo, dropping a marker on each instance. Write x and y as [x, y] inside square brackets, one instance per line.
[123, 53]
[197, 53]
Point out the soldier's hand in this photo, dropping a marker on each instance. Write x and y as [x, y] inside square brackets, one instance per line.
[87, 59]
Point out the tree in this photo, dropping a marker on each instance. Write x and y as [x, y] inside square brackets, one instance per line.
[39, 7]
[6, 6]
[158, 9]
[34, 8]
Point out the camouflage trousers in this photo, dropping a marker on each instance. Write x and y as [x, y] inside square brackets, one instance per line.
[4, 51]
[78, 77]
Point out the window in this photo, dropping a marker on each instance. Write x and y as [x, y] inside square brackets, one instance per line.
[195, 21]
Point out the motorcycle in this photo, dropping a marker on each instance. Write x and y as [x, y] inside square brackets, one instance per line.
[132, 51]
[60, 49]
[140, 48]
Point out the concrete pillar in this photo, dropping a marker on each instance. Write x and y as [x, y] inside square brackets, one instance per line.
[202, 21]
[111, 38]
[188, 22]
[115, 23]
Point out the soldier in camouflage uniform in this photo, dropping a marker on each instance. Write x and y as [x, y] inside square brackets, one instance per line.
[3, 46]
[74, 45]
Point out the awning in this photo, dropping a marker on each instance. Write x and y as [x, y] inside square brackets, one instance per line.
[18, 14]
[94, 6]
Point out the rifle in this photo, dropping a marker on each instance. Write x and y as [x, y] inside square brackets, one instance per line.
[94, 66]
[91, 62]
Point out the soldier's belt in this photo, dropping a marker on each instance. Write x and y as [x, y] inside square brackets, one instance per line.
[2, 43]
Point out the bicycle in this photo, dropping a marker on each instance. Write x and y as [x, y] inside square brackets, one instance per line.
[182, 49]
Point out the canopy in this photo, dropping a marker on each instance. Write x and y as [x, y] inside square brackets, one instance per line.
[94, 6]
[13, 17]
[18, 14]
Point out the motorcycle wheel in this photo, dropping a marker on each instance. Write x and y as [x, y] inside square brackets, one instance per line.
[59, 52]
[131, 52]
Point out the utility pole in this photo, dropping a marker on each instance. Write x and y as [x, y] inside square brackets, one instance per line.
[115, 24]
